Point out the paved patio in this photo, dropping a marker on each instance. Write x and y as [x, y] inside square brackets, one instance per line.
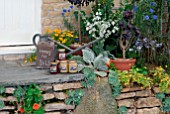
[18, 73]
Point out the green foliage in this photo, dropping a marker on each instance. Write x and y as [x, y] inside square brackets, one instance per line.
[74, 97]
[2, 90]
[165, 102]
[114, 83]
[135, 75]
[19, 93]
[33, 95]
[122, 110]
[1, 104]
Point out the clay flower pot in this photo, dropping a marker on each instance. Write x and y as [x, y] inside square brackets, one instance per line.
[123, 64]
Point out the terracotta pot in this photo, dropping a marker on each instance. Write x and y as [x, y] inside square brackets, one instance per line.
[123, 64]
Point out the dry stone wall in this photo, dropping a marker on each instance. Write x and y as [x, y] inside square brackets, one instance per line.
[136, 99]
[139, 101]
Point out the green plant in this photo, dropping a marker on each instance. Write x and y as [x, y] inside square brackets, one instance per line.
[19, 93]
[135, 75]
[165, 102]
[32, 100]
[92, 65]
[161, 78]
[2, 90]
[122, 110]
[74, 97]
[114, 83]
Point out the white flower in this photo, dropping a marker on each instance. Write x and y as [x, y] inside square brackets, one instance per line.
[116, 28]
[90, 31]
[87, 28]
[113, 31]
[97, 13]
[113, 23]
[93, 35]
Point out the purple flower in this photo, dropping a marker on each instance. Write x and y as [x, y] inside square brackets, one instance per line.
[71, 7]
[68, 10]
[153, 3]
[64, 10]
[151, 10]
[155, 17]
[135, 8]
[158, 45]
[146, 17]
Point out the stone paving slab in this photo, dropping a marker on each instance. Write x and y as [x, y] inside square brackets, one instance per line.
[17, 73]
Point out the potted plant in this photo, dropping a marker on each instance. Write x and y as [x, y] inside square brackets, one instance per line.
[128, 35]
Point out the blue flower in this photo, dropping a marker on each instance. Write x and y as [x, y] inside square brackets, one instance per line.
[62, 14]
[64, 10]
[151, 10]
[146, 17]
[155, 17]
[76, 39]
[71, 7]
[68, 10]
[153, 3]
[135, 8]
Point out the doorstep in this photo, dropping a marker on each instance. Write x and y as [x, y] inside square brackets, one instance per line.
[14, 73]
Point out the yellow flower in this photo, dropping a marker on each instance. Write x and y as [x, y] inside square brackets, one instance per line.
[61, 39]
[64, 41]
[58, 31]
[56, 34]
[48, 31]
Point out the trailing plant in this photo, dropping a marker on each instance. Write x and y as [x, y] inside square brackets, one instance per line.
[29, 99]
[161, 78]
[135, 76]
[165, 102]
[2, 90]
[114, 83]
[74, 97]
[122, 110]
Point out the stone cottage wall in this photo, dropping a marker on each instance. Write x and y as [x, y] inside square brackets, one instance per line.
[51, 13]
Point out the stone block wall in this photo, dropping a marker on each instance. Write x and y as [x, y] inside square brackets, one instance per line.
[139, 101]
[136, 99]
[52, 9]
[53, 96]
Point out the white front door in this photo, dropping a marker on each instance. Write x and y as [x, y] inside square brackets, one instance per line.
[19, 21]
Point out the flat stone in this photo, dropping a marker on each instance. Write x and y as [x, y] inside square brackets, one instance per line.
[58, 106]
[144, 93]
[11, 98]
[8, 108]
[131, 111]
[48, 96]
[126, 95]
[10, 90]
[156, 90]
[60, 95]
[147, 102]
[64, 86]
[15, 73]
[53, 113]
[126, 102]
[129, 89]
[45, 87]
[4, 112]
[154, 110]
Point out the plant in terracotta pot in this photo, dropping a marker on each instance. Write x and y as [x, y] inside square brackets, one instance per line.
[128, 35]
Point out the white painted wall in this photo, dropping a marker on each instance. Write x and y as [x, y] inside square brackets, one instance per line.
[19, 21]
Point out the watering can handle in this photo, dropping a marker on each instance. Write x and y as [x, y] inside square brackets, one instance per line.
[34, 38]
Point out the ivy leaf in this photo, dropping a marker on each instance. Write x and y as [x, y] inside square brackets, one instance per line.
[160, 96]
[2, 90]
[2, 105]
[122, 110]
[19, 92]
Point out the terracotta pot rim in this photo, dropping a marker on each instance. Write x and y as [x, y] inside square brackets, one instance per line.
[123, 60]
